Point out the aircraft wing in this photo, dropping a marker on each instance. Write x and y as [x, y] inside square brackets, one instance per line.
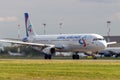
[25, 43]
[109, 43]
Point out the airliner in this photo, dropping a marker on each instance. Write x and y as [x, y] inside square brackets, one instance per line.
[50, 44]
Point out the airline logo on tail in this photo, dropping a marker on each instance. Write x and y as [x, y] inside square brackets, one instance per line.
[28, 25]
[29, 28]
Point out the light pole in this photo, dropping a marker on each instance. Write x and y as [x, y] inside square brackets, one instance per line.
[60, 27]
[44, 24]
[108, 33]
[18, 38]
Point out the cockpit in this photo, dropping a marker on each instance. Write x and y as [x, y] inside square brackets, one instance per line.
[98, 39]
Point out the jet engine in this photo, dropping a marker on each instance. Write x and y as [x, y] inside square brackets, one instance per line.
[49, 50]
[25, 39]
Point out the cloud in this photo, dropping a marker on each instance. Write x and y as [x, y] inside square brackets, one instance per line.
[8, 19]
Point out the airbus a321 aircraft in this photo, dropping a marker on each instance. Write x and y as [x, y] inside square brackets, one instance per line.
[50, 44]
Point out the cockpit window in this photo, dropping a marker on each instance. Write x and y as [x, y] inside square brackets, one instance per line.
[98, 39]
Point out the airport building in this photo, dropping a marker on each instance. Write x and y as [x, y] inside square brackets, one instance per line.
[114, 38]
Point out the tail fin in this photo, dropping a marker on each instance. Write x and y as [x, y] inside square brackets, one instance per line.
[28, 25]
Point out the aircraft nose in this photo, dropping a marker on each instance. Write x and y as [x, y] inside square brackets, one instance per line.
[103, 45]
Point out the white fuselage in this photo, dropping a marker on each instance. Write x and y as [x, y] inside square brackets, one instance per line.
[72, 42]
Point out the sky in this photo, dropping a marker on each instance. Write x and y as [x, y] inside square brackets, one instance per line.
[76, 16]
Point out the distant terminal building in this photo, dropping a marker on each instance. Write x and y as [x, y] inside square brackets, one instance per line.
[114, 38]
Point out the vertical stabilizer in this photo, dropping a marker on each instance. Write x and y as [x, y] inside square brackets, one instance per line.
[28, 25]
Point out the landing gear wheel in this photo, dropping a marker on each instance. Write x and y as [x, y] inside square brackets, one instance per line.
[47, 56]
[75, 56]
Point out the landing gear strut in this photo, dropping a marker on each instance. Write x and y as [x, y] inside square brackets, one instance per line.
[94, 57]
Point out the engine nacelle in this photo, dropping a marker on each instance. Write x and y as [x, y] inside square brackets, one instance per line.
[25, 39]
[49, 50]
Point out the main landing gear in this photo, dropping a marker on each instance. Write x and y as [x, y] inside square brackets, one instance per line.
[47, 56]
[75, 56]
